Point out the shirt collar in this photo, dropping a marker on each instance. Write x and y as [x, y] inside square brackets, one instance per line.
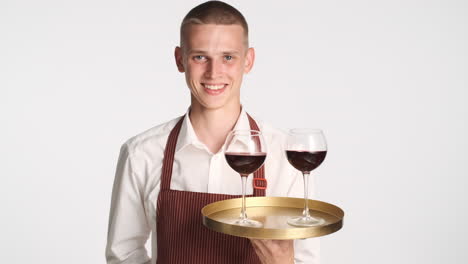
[188, 137]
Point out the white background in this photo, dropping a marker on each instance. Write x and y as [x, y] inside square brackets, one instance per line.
[386, 80]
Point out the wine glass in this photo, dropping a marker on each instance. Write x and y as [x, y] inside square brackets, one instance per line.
[306, 149]
[245, 152]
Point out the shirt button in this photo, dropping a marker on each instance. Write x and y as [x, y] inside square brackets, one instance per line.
[217, 156]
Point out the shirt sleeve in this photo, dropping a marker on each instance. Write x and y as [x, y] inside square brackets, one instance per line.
[306, 251]
[128, 228]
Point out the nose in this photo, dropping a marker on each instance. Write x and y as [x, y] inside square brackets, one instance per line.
[213, 69]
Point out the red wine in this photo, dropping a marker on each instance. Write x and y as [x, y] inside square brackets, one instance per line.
[245, 163]
[305, 161]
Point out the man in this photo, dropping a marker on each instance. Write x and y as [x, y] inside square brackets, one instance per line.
[166, 174]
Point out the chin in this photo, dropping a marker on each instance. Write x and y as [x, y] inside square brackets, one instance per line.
[213, 106]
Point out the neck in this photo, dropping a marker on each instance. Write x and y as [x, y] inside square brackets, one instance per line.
[213, 125]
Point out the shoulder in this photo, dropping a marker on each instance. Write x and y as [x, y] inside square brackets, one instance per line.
[150, 140]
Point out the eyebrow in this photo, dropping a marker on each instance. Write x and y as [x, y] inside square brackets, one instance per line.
[205, 52]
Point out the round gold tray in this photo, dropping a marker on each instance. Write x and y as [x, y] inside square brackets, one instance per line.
[273, 212]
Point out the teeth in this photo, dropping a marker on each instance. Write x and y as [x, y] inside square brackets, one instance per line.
[214, 87]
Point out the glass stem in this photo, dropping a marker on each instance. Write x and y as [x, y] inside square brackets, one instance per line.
[244, 182]
[306, 194]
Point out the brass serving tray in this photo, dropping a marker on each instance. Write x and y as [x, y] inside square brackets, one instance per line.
[273, 212]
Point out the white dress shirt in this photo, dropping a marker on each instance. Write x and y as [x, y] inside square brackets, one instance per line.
[137, 184]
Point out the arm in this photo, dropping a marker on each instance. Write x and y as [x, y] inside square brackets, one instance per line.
[128, 229]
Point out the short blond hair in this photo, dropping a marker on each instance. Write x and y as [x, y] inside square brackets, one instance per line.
[214, 12]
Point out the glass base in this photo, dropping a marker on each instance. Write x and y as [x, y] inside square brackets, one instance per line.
[247, 222]
[306, 221]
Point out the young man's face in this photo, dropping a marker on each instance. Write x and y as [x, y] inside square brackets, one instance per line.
[214, 59]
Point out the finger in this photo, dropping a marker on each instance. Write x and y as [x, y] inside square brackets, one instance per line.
[260, 253]
[260, 244]
[270, 246]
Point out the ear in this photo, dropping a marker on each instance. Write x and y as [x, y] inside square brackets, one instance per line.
[179, 59]
[249, 60]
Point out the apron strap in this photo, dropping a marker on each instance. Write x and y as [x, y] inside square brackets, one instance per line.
[169, 152]
[259, 185]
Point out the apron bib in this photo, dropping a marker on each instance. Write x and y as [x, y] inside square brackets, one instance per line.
[181, 236]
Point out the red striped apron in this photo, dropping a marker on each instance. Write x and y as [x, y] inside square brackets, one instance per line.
[181, 236]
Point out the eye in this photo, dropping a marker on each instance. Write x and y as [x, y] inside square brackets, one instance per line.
[228, 57]
[199, 58]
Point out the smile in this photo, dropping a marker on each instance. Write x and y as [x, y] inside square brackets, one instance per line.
[214, 86]
[214, 89]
